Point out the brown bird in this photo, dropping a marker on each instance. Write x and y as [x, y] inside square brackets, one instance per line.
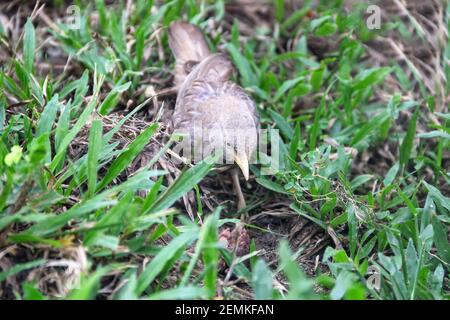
[211, 110]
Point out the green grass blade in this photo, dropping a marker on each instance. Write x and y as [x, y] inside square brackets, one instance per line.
[125, 158]
[29, 46]
[95, 146]
[184, 183]
[407, 144]
[163, 258]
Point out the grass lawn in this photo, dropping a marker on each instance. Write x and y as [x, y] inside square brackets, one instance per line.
[93, 205]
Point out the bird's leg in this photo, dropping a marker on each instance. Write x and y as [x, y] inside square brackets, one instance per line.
[237, 189]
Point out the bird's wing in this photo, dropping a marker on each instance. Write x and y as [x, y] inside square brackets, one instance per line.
[188, 46]
[202, 98]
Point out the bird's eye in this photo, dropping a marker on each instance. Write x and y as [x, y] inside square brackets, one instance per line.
[189, 65]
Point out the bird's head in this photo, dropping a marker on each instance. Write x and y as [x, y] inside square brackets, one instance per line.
[240, 145]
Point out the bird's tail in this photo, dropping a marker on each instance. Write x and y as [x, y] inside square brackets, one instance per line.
[188, 46]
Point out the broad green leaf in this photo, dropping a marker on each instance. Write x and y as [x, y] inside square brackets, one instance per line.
[89, 286]
[438, 197]
[370, 77]
[160, 261]
[271, 185]
[344, 281]
[317, 78]
[295, 141]
[301, 287]
[206, 245]
[326, 29]
[315, 129]
[434, 134]
[53, 223]
[441, 241]
[29, 46]
[184, 183]
[279, 10]
[301, 212]
[262, 281]
[15, 269]
[95, 146]
[128, 292]
[48, 116]
[181, 293]
[360, 180]
[288, 84]
[391, 174]
[245, 70]
[30, 292]
[367, 129]
[407, 144]
[82, 120]
[126, 157]
[282, 123]
[112, 98]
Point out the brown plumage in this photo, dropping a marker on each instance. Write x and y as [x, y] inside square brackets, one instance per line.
[211, 109]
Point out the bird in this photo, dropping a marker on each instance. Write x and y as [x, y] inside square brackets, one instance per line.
[211, 110]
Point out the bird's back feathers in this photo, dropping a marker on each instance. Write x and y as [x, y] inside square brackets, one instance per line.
[208, 81]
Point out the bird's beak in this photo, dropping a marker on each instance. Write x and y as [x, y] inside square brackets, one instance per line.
[242, 161]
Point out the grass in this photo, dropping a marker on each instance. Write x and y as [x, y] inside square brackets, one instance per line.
[364, 152]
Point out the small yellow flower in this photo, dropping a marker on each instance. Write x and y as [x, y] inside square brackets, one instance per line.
[67, 241]
[14, 156]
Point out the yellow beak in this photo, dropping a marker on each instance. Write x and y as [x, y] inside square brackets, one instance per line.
[242, 161]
